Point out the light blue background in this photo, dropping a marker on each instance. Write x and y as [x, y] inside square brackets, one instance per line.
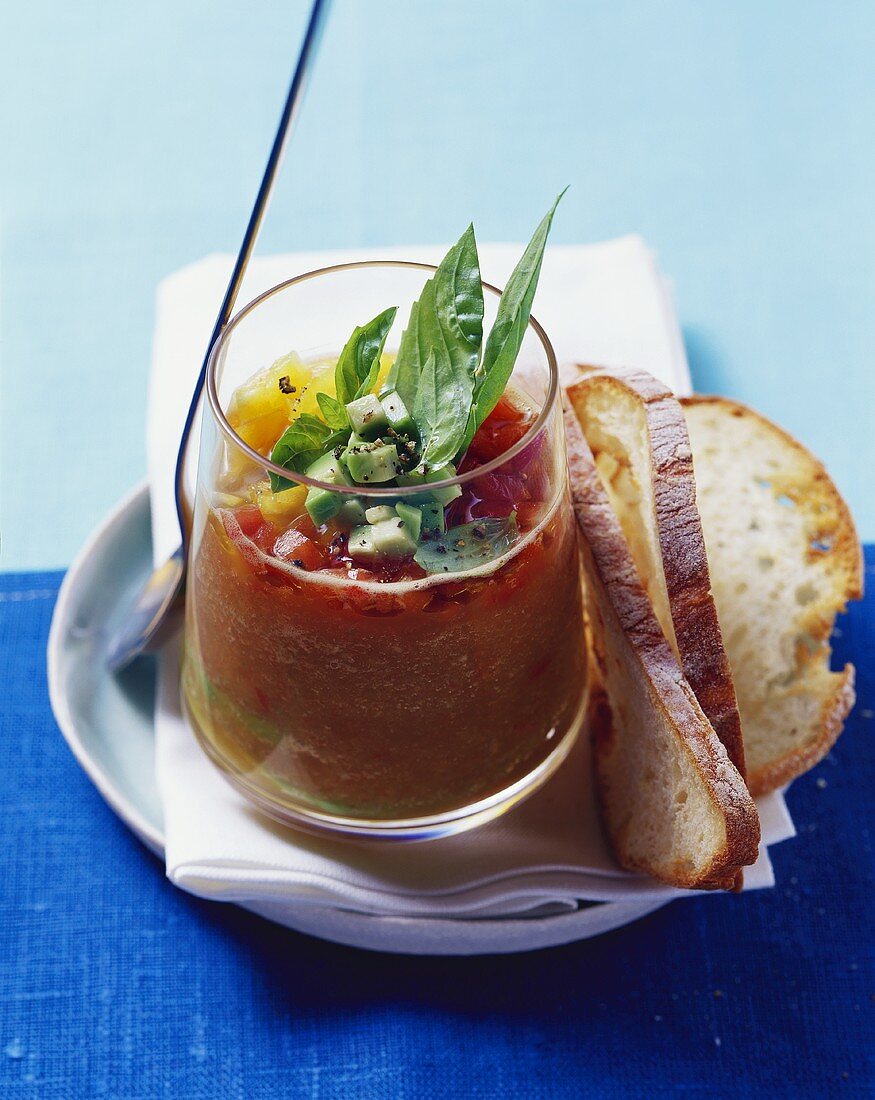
[739, 139]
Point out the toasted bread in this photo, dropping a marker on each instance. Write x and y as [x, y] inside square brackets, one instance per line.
[785, 558]
[636, 431]
[673, 804]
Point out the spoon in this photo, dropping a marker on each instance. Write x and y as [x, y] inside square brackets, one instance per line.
[147, 623]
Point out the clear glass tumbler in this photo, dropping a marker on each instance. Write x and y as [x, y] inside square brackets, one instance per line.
[340, 701]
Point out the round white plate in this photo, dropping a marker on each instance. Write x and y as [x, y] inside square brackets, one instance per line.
[108, 723]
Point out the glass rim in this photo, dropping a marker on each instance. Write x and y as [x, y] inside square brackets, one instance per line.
[361, 490]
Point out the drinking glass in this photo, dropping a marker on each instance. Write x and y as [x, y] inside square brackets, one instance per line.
[341, 702]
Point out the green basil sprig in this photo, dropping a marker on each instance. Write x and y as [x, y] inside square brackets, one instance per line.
[434, 370]
[467, 546]
[307, 439]
[359, 363]
[438, 372]
[335, 414]
[506, 337]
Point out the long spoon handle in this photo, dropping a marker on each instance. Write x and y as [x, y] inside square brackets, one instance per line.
[315, 27]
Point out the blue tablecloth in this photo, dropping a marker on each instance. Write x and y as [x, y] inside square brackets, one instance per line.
[114, 984]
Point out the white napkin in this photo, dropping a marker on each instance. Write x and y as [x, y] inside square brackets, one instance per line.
[604, 304]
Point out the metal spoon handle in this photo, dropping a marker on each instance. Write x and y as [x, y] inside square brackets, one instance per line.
[315, 27]
[153, 612]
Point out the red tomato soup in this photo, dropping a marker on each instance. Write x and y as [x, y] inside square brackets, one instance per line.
[389, 692]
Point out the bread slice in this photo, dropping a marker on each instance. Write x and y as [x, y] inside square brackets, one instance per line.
[673, 804]
[785, 558]
[635, 428]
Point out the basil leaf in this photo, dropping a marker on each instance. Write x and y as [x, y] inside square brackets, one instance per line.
[458, 299]
[447, 319]
[506, 337]
[359, 362]
[468, 546]
[440, 349]
[443, 402]
[307, 439]
[405, 371]
[335, 414]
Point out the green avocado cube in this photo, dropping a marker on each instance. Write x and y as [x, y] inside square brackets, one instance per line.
[433, 518]
[378, 512]
[351, 514]
[367, 416]
[360, 544]
[328, 468]
[392, 539]
[322, 504]
[396, 414]
[413, 478]
[412, 517]
[355, 443]
[372, 463]
[416, 477]
[451, 492]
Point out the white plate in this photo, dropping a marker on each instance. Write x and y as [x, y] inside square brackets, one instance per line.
[108, 723]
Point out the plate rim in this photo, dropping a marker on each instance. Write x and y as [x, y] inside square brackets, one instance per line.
[129, 813]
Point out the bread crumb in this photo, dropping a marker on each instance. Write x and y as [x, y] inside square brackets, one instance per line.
[718, 993]
[866, 713]
[821, 782]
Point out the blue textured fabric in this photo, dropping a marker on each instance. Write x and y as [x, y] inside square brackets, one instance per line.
[114, 984]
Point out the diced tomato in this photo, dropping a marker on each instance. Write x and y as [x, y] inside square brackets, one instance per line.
[249, 519]
[505, 426]
[245, 526]
[507, 412]
[264, 536]
[294, 546]
[306, 526]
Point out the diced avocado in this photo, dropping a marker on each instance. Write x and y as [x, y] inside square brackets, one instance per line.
[396, 414]
[392, 539]
[372, 463]
[412, 517]
[356, 442]
[433, 518]
[378, 512]
[330, 469]
[444, 496]
[367, 416]
[361, 544]
[447, 495]
[322, 504]
[413, 478]
[351, 514]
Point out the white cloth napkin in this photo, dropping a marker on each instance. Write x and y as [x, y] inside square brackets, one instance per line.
[604, 304]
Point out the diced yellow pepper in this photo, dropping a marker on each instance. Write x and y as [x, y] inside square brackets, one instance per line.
[260, 410]
[279, 508]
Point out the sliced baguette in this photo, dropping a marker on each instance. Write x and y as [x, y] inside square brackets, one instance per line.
[785, 558]
[673, 804]
[635, 428]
